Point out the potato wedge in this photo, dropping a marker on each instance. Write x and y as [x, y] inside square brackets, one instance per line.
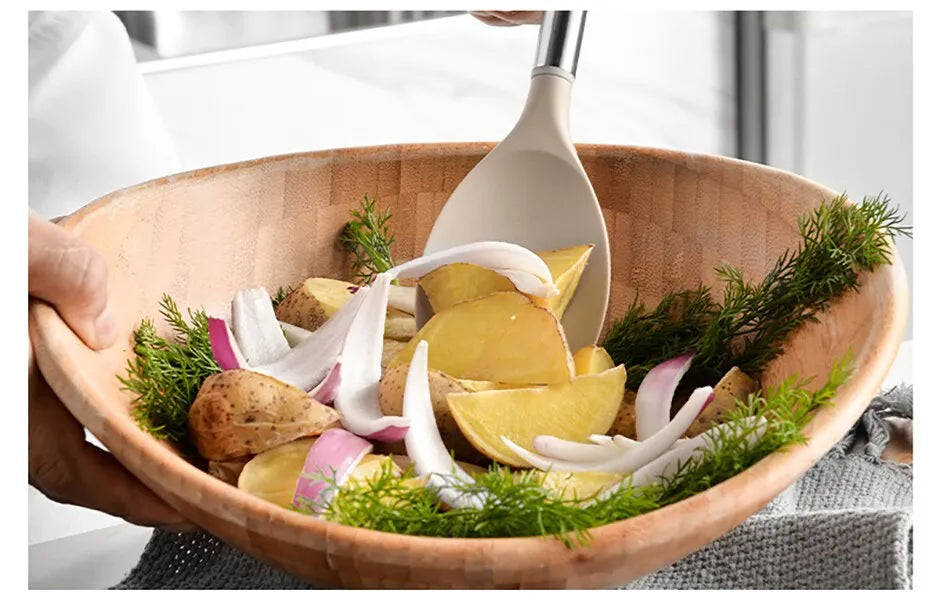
[391, 396]
[625, 422]
[585, 406]
[502, 337]
[272, 475]
[566, 265]
[228, 470]
[591, 359]
[399, 325]
[577, 486]
[240, 412]
[733, 387]
[390, 348]
[451, 284]
[312, 303]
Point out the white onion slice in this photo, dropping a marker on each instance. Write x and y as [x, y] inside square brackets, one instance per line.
[563, 449]
[357, 399]
[668, 464]
[423, 441]
[294, 334]
[654, 396]
[497, 256]
[256, 328]
[333, 456]
[627, 460]
[619, 440]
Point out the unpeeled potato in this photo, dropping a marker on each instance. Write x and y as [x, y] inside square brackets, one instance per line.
[733, 387]
[502, 337]
[312, 303]
[240, 412]
[625, 422]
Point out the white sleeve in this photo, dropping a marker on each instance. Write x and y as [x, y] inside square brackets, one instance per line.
[93, 127]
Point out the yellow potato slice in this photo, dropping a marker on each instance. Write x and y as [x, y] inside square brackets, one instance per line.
[577, 486]
[566, 265]
[451, 284]
[272, 475]
[592, 359]
[502, 337]
[585, 406]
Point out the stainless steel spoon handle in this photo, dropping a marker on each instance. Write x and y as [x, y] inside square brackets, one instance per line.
[559, 42]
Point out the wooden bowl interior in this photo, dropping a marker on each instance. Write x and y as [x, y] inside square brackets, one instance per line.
[672, 217]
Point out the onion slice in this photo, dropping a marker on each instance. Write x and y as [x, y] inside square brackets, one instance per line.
[627, 460]
[333, 456]
[668, 464]
[619, 440]
[556, 448]
[402, 298]
[294, 334]
[423, 441]
[224, 347]
[521, 266]
[654, 396]
[256, 328]
[308, 363]
[325, 391]
[357, 399]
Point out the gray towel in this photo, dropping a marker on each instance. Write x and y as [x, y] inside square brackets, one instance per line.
[846, 524]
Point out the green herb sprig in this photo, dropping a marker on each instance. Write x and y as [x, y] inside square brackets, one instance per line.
[281, 295]
[165, 374]
[747, 328]
[518, 506]
[369, 239]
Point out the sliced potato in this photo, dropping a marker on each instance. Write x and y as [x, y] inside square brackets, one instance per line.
[272, 475]
[502, 337]
[578, 486]
[733, 387]
[451, 284]
[391, 347]
[574, 410]
[240, 412]
[370, 468]
[312, 303]
[399, 325]
[592, 359]
[566, 265]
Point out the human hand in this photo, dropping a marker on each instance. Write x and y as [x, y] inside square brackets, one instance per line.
[508, 18]
[68, 274]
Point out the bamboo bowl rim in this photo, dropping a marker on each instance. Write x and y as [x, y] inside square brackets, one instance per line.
[51, 337]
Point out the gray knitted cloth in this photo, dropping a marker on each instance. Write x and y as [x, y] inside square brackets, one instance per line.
[846, 524]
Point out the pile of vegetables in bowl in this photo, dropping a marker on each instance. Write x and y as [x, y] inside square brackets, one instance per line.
[327, 399]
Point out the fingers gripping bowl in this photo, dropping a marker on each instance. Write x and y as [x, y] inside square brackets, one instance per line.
[672, 218]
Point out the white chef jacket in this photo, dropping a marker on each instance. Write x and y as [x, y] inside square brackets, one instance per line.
[93, 126]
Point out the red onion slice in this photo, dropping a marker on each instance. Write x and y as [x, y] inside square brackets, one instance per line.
[333, 456]
[654, 396]
[325, 391]
[627, 460]
[423, 441]
[357, 399]
[224, 347]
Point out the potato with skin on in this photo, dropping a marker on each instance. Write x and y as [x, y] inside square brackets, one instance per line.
[625, 422]
[228, 470]
[734, 386]
[312, 303]
[574, 410]
[502, 337]
[240, 412]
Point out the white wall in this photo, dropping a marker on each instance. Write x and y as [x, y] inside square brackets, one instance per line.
[841, 105]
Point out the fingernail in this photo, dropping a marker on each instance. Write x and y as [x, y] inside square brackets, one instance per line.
[106, 326]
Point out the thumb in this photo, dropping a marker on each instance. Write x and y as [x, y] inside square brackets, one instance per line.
[71, 276]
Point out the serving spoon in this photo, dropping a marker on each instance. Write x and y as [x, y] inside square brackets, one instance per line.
[532, 190]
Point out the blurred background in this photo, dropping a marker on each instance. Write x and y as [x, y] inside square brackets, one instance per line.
[827, 95]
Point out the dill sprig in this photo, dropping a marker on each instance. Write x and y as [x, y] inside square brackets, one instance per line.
[165, 374]
[518, 505]
[368, 238]
[748, 327]
[281, 295]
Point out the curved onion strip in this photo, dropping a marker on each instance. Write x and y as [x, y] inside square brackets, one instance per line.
[308, 363]
[520, 263]
[666, 465]
[325, 391]
[627, 459]
[256, 328]
[224, 347]
[357, 399]
[423, 441]
[294, 334]
[332, 456]
[563, 449]
[654, 396]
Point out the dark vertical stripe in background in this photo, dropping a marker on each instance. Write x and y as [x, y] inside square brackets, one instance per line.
[750, 85]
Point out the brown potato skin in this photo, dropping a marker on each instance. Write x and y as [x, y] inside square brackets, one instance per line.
[391, 396]
[301, 309]
[229, 470]
[733, 387]
[239, 412]
[625, 424]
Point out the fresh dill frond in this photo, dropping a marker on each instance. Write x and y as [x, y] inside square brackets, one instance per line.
[369, 239]
[517, 504]
[748, 327]
[165, 374]
[281, 295]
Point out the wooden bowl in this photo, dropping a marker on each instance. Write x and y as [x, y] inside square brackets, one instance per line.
[671, 216]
